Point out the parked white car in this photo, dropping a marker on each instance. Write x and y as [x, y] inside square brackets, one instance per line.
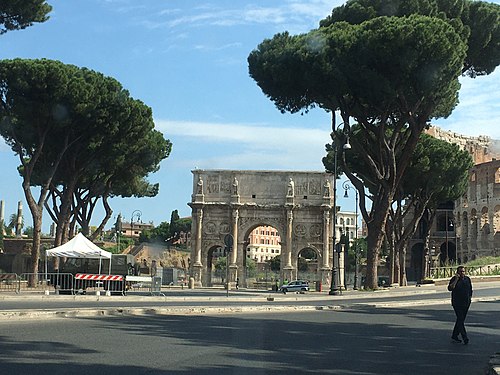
[295, 286]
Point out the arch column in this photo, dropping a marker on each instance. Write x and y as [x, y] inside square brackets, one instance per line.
[197, 266]
[326, 239]
[326, 270]
[234, 232]
[288, 268]
[341, 267]
[233, 267]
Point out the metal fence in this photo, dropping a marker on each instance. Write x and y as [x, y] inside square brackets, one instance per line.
[143, 284]
[62, 283]
[9, 282]
[46, 282]
[448, 272]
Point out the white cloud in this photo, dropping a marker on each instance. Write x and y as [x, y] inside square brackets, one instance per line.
[242, 146]
[217, 48]
[301, 15]
[267, 137]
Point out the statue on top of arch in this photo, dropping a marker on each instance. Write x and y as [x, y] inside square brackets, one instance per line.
[235, 186]
[291, 188]
[326, 187]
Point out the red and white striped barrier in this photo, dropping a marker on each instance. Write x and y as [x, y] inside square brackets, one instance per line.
[89, 276]
[8, 276]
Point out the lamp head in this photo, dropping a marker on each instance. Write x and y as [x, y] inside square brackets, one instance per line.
[347, 145]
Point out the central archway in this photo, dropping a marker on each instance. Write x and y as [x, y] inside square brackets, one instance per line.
[263, 254]
[228, 205]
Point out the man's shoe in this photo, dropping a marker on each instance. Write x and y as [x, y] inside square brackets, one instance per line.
[466, 341]
[456, 340]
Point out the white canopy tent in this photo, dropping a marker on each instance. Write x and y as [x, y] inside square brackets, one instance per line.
[80, 247]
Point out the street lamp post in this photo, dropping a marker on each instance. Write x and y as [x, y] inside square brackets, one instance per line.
[334, 286]
[449, 223]
[118, 230]
[347, 187]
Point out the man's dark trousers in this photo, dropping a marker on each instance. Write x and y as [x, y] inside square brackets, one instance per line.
[461, 313]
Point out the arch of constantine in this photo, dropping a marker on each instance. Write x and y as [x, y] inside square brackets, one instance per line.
[299, 205]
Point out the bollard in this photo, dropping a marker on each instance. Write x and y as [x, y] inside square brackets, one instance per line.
[191, 283]
[108, 292]
[46, 292]
[98, 293]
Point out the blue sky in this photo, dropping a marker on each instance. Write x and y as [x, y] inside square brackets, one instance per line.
[187, 60]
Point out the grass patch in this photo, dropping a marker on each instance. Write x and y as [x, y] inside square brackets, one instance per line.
[479, 262]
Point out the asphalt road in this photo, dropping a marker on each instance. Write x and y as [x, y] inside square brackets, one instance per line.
[356, 340]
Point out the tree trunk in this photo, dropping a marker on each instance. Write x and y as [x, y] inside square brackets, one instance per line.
[106, 218]
[36, 213]
[374, 242]
[403, 281]
[375, 238]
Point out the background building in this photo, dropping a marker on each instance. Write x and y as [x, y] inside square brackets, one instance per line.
[264, 244]
[468, 228]
[134, 230]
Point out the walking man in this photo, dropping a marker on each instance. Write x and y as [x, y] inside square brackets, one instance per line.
[460, 287]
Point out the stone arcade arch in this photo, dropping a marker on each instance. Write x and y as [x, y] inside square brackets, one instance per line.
[298, 204]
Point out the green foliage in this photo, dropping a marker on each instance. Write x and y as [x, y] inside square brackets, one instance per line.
[119, 248]
[75, 130]
[13, 223]
[107, 138]
[167, 232]
[28, 231]
[251, 267]
[445, 166]
[361, 246]
[362, 69]
[158, 234]
[178, 225]
[19, 14]
[477, 22]
[275, 263]
[220, 267]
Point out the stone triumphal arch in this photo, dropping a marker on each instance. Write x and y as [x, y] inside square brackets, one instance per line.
[229, 204]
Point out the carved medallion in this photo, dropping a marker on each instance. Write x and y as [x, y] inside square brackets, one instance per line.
[300, 230]
[315, 230]
[209, 228]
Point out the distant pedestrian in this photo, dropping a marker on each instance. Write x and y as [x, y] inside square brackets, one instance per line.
[237, 283]
[460, 287]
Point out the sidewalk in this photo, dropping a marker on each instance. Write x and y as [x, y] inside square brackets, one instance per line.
[268, 301]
